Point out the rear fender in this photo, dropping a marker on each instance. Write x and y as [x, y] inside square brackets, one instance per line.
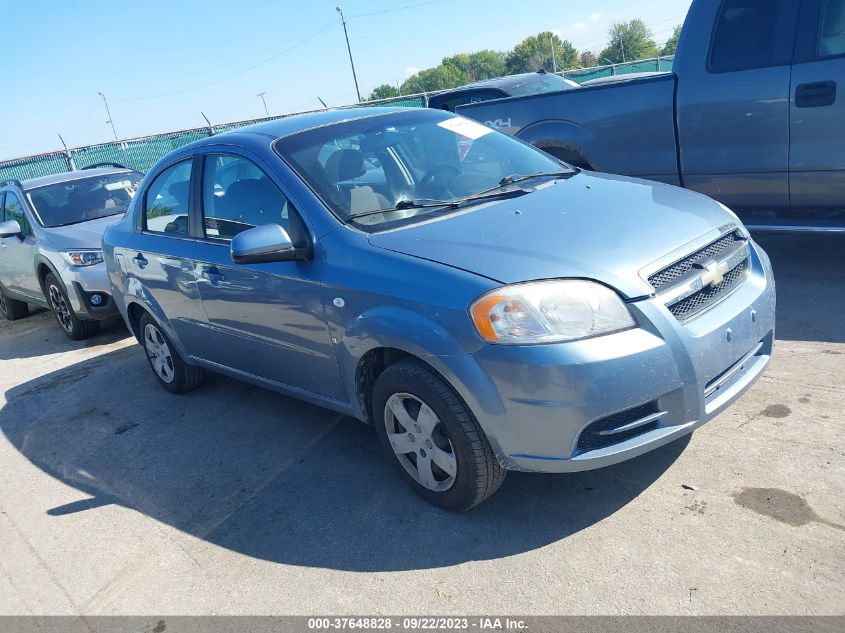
[566, 140]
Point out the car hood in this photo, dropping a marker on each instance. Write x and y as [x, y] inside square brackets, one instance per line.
[594, 226]
[83, 235]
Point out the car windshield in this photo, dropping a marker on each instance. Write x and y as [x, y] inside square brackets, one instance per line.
[406, 165]
[84, 199]
[542, 83]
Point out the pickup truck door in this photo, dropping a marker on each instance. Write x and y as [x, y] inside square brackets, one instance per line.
[733, 105]
[817, 114]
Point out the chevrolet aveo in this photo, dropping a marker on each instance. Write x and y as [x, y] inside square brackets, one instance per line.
[485, 306]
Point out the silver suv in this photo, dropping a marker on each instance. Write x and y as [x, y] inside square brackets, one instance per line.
[50, 253]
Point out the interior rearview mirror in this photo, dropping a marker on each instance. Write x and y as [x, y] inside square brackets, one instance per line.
[10, 228]
[268, 243]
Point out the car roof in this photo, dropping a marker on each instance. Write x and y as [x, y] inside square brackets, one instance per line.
[301, 122]
[504, 83]
[68, 176]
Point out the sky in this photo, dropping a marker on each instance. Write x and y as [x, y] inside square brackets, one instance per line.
[161, 63]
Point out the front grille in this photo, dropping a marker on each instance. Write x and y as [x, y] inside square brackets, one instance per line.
[665, 277]
[695, 303]
[594, 435]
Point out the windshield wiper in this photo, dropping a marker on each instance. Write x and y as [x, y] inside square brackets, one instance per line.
[419, 203]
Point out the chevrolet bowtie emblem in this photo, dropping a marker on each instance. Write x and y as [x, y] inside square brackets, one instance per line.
[713, 274]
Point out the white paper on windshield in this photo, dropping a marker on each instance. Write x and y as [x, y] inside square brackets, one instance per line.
[114, 186]
[465, 127]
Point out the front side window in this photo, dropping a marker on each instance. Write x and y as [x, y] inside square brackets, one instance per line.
[13, 210]
[84, 199]
[832, 29]
[745, 36]
[380, 169]
[237, 195]
[166, 201]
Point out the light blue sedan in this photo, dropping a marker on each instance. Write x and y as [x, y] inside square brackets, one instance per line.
[485, 306]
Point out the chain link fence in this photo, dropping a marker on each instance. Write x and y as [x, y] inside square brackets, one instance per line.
[143, 152]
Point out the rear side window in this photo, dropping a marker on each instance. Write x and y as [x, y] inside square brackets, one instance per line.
[237, 195]
[13, 210]
[166, 201]
[746, 35]
[832, 29]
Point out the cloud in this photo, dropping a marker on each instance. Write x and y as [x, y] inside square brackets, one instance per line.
[411, 70]
[594, 17]
[557, 32]
[580, 25]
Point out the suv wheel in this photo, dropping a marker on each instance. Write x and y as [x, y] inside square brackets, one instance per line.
[433, 437]
[76, 328]
[172, 371]
[12, 309]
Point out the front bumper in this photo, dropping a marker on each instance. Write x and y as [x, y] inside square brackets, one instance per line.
[551, 402]
[82, 283]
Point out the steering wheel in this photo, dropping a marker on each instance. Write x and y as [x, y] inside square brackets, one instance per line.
[430, 176]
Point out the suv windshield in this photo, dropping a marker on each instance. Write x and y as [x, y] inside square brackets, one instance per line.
[407, 165]
[84, 199]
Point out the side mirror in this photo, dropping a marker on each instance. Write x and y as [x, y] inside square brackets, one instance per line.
[262, 244]
[10, 228]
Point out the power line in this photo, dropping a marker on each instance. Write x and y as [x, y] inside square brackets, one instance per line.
[408, 6]
[234, 74]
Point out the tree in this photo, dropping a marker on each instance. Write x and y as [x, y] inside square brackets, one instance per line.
[384, 91]
[629, 41]
[589, 59]
[438, 78]
[480, 65]
[672, 43]
[535, 52]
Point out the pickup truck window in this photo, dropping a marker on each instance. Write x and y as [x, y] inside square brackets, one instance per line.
[832, 31]
[745, 36]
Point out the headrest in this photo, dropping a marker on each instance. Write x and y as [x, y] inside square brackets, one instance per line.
[345, 164]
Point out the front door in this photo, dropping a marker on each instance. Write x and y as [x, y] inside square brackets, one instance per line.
[817, 114]
[19, 251]
[266, 320]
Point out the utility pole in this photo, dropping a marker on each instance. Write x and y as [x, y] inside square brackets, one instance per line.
[108, 112]
[261, 94]
[349, 48]
[552, 46]
[622, 46]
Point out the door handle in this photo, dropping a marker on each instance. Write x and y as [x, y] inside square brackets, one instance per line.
[213, 275]
[815, 95]
[140, 261]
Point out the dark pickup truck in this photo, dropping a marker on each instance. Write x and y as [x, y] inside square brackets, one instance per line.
[752, 115]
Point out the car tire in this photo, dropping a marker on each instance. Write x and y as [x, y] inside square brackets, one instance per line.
[75, 328]
[12, 309]
[444, 455]
[172, 372]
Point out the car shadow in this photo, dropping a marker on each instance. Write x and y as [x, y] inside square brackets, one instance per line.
[278, 479]
[810, 277]
[39, 334]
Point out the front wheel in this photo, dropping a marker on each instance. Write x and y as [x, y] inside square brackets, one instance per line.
[433, 437]
[75, 328]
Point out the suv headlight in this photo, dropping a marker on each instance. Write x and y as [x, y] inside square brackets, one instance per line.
[87, 257]
[549, 312]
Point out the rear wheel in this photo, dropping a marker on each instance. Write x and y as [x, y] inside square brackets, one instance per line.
[433, 437]
[76, 329]
[172, 371]
[12, 309]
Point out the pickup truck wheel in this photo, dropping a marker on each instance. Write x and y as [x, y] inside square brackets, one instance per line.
[172, 371]
[433, 437]
[76, 329]
[12, 309]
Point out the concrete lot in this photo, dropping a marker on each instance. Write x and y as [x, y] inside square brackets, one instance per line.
[119, 498]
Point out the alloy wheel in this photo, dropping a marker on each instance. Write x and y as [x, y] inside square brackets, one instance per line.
[60, 308]
[159, 354]
[420, 441]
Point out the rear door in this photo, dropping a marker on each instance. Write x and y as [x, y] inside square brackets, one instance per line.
[733, 104]
[266, 320]
[19, 252]
[817, 114]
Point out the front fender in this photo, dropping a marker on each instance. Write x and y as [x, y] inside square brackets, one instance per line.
[415, 334]
[570, 141]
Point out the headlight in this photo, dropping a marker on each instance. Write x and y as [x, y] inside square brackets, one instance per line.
[83, 258]
[549, 312]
